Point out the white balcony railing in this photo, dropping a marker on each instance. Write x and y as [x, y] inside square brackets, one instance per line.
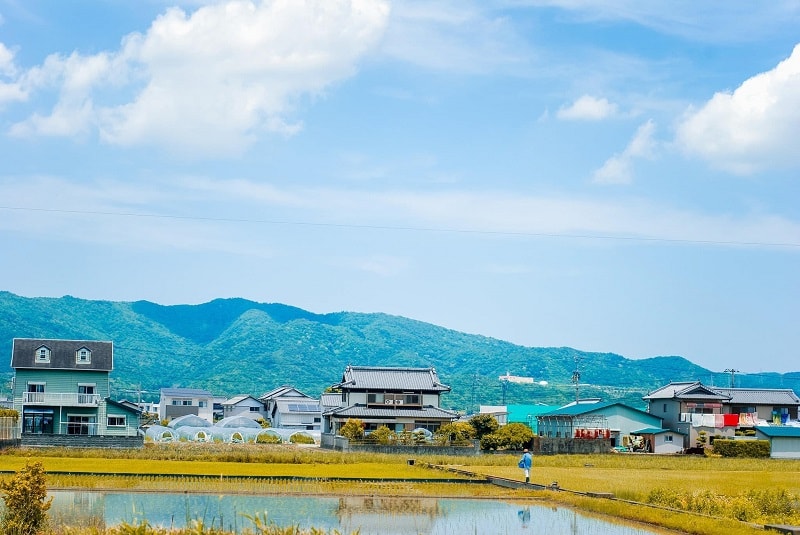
[61, 399]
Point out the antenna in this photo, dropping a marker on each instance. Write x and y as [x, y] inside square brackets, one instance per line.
[733, 377]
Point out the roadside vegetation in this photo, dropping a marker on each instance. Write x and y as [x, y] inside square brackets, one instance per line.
[690, 494]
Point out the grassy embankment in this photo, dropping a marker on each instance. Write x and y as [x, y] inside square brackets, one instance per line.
[725, 495]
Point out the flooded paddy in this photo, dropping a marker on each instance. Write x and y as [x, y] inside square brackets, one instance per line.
[367, 515]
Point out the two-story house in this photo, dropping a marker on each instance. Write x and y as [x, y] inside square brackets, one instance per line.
[61, 388]
[692, 408]
[402, 399]
[289, 408]
[177, 402]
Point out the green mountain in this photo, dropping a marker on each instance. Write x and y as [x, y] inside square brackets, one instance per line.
[236, 346]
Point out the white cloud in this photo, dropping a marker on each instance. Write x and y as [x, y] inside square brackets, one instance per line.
[754, 127]
[588, 108]
[619, 168]
[208, 82]
[9, 91]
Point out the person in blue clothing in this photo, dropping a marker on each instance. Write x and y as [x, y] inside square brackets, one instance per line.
[525, 463]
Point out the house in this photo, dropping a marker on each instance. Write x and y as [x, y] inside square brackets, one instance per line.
[499, 412]
[288, 408]
[244, 405]
[784, 440]
[176, 402]
[657, 440]
[696, 410]
[403, 399]
[61, 389]
[609, 420]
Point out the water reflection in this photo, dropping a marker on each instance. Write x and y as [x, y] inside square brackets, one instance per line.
[368, 515]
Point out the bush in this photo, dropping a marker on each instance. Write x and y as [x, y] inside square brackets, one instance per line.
[383, 436]
[353, 429]
[25, 495]
[514, 436]
[300, 438]
[742, 448]
[268, 438]
[454, 433]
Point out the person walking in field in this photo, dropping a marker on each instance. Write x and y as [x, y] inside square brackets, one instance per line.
[525, 463]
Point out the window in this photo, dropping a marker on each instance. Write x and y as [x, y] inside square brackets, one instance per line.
[36, 387]
[665, 407]
[254, 409]
[201, 404]
[116, 421]
[43, 354]
[667, 438]
[83, 356]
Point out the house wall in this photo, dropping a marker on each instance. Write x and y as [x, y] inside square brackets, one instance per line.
[663, 444]
[627, 421]
[60, 381]
[782, 447]
[168, 411]
[430, 399]
[244, 408]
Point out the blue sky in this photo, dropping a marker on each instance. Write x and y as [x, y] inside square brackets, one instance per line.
[617, 176]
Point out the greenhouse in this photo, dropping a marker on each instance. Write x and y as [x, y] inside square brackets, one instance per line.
[234, 430]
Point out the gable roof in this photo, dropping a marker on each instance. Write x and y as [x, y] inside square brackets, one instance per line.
[685, 391]
[62, 354]
[282, 391]
[760, 396]
[387, 378]
[238, 399]
[126, 405]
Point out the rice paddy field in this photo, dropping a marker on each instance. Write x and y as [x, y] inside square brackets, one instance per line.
[687, 494]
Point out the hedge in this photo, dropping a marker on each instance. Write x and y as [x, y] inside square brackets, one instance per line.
[742, 448]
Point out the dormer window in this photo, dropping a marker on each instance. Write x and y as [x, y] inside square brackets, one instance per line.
[43, 354]
[83, 356]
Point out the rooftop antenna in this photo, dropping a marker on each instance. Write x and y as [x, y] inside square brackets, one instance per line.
[733, 377]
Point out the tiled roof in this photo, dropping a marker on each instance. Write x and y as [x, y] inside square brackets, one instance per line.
[760, 396]
[62, 354]
[392, 379]
[360, 411]
[695, 391]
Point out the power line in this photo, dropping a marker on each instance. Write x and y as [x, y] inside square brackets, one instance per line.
[409, 228]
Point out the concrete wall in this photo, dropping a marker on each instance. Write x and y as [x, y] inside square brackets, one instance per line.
[552, 445]
[81, 441]
[340, 443]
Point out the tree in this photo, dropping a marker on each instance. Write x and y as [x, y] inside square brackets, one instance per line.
[454, 433]
[25, 496]
[352, 429]
[383, 435]
[514, 436]
[484, 424]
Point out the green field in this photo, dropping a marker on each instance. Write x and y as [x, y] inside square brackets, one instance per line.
[699, 495]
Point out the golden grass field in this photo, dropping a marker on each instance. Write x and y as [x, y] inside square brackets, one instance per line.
[721, 496]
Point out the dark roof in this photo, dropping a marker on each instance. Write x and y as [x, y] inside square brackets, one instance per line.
[62, 354]
[685, 391]
[392, 379]
[124, 404]
[360, 411]
[760, 396]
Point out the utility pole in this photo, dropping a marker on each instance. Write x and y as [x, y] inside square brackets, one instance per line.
[576, 378]
[733, 379]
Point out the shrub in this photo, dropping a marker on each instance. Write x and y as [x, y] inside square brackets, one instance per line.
[267, 438]
[25, 495]
[514, 436]
[454, 433]
[353, 429]
[742, 448]
[383, 435]
[300, 438]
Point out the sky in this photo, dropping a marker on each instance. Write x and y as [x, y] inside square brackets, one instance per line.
[617, 176]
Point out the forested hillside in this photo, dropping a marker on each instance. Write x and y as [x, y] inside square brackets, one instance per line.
[233, 346]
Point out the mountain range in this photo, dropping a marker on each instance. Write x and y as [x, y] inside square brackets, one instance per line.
[236, 346]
